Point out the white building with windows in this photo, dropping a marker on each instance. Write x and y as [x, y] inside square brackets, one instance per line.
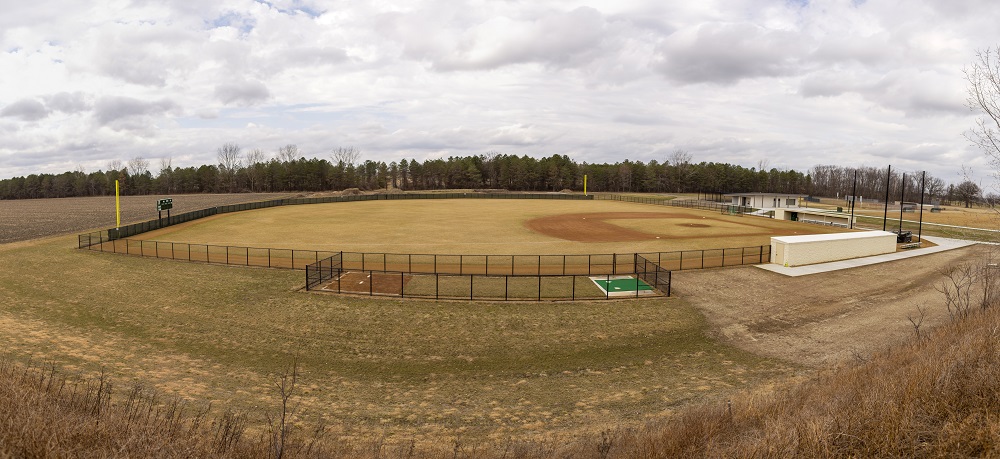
[766, 200]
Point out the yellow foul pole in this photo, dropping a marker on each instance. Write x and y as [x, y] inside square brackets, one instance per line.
[584, 184]
[118, 208]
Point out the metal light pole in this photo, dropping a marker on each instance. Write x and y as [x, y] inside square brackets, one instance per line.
[885, 213]
[920, 226]
[854, 197]
[902, 194]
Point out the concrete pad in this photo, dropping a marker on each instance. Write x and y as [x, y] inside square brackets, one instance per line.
[943, 244]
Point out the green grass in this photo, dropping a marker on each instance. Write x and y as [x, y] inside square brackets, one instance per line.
[623, 285]
[415, 368]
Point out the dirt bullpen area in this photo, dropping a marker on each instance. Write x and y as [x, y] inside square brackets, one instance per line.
[824, 318]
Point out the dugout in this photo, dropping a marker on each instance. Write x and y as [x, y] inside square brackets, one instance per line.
[821, 248]
[815, 216]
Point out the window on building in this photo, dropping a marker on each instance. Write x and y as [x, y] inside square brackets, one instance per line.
[790, 202]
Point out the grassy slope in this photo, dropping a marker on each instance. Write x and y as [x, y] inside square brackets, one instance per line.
[936, 396]
[417, 369]
[933, 397]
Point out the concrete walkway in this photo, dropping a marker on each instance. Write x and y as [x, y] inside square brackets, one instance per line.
[943, 244]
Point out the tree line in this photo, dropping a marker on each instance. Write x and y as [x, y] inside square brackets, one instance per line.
[289, 171]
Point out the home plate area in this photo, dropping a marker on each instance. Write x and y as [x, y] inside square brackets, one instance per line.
[622, 286]
[369, 282]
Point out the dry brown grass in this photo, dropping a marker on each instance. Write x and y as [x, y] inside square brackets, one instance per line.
[937, 395]
[25, 219]
[458, 226]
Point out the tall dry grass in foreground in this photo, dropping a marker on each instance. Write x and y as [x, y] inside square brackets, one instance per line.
[937, 395]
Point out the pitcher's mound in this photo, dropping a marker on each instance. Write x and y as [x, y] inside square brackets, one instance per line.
[595, 227]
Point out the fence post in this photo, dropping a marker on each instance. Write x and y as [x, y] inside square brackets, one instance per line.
[670, 279]
[743, 254]
[208, 259]
[371, 283]
[539, 288]
[607, 286]
[402, 283]
[268, 257]
[573, 289]
[506, 280]
[437, 281]
[472, 278]
[156, 248]
[293, 258]
[614, 263]
[761, 255]
[702, 259]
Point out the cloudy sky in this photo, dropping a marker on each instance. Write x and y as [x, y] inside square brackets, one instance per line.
[794, 83]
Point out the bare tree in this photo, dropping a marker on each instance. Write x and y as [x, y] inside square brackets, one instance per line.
[230, 163]
[165, 176]
[968, 192]
[138, 166]
[681, 160]
[492, 168]
[255, 159]
[983, 79]
[115, 165]
[166, 164]
[288, 153]
[974, 283]
[935, 188]
[346, 156]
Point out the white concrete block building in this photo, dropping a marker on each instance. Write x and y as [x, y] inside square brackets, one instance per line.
[821, 248]
[766, 200]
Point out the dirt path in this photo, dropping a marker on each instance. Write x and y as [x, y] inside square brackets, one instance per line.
[822, 318]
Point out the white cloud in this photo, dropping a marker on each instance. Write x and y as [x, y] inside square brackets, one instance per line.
[798, 83]
[25, 109]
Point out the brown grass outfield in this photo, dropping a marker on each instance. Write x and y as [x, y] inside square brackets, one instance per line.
[976, 217]
[412, 369]
[475, 226]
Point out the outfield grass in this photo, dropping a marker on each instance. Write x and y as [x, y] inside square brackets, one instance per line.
[457, 226]
[413, 369]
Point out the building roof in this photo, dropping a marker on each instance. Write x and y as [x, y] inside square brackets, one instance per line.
[832, 236]
[766, 194]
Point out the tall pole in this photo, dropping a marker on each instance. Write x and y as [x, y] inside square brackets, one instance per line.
[885, 213]
[118, 208]
[584, 184]
[854, 197]
[920, 226]
[902, 193]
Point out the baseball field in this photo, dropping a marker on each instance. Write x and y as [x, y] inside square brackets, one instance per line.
[473, 227]
[418, 370]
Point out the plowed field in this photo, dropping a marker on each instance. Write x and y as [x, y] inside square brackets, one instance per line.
[25, 219]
